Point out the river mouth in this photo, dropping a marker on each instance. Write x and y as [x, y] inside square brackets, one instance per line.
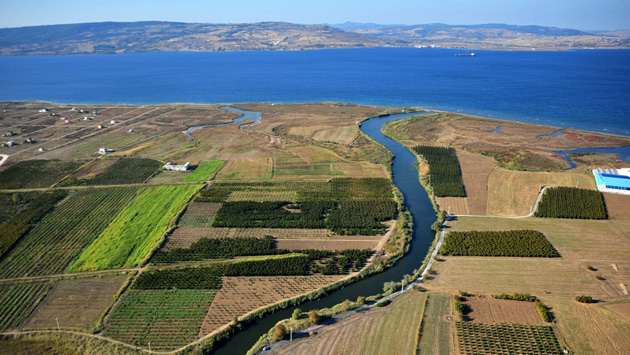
[245, 116]
[405, 177]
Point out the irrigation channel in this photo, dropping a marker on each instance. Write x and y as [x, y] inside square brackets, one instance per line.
[406, 179]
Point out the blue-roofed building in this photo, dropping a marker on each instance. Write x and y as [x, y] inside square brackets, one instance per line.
[613, 180]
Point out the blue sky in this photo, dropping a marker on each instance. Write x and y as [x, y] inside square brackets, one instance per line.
[579, 14]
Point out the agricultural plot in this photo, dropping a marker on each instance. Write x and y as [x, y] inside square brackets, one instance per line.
[388, 330]
[14, 228]
[342, 135]
[11, 203]
[569, 202]
[241, 295]
[126, 171]
[54, 241]
[217, 248]
[36, 173]
[205, 170]
[525, 243]
[76, 303]
[167, 318]
[246, 169]
[328, 244]
[474, 338]
[435, 332]
[445, 175]
[260, 196]
[323, 169]
[198, 215]
[18, 300]
[136, 229]
[489, 310]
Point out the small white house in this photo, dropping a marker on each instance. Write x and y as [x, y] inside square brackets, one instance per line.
[113, 122]
[43, 110]
[104, 150]
[170, 166]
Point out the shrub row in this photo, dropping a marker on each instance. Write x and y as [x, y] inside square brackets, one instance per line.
[188, 278]
[289, 266]
[523, 243]
[571, 202]
[445, 175]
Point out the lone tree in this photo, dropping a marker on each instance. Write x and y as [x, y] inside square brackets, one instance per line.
[296, 314]
[313, 317]
[280, 331]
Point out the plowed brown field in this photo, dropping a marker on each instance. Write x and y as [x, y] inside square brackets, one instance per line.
[485, 309]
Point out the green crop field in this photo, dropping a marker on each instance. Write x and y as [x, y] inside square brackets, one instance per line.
[525, 243]
[167, 318]
[445, 174]
[205, 170]
[18, 300]
[51, 244]
[136, 229]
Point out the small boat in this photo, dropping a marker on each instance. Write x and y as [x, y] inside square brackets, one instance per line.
[471, 54]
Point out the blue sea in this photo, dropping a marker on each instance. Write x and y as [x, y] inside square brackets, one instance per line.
[585, 89]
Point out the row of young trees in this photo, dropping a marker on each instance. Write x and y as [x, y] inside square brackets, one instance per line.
[186, 278]
[571, 202]
[522, 243]
[445, 175]
[289, 266]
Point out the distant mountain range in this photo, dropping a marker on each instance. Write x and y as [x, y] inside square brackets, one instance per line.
[153, 36]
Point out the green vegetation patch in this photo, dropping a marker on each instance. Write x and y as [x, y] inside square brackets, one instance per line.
[36, 173]
[18, 300]
[205, 170]
[445, 175]
[571, 202]
[12, 203]
[168, 319]
[291, 265]
[523, 243]
[15, 227]
[136, 229]
[500, 339]
[53, 242]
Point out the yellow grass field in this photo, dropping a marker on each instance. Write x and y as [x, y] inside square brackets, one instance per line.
[76, 303]
[604, 245]
[246, 169]
[513, 193]
[341, 135]
[436, 336]
[388, 330]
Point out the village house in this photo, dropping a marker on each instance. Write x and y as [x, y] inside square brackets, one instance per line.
[104, 150]
[170, 166]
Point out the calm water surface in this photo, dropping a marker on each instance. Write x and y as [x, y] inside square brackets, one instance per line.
[588, 89]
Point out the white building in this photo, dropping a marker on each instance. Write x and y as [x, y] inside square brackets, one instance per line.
[104, 150]
[615, 181]
[170, 166]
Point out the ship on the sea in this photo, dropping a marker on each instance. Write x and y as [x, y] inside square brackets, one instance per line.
[471, 54]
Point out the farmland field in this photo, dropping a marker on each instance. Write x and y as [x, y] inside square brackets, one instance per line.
[570, 202]
[243, 294]
[388, 330]
[167, 318]
[246, 169]
[136, 229]
[198, 215]
[205, 170]
[528, 243]
[489, 310]
[513, 193]
[436, 336]
[76, 303]
[341, 135]
[18, 300]
[127, 171]
[54, 241]
[61, 343]
[36, 173]
[474, 338]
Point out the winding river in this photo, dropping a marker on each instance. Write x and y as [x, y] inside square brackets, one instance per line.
[406, 179]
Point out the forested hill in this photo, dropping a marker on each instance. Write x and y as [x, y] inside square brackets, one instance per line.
[152, 36]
